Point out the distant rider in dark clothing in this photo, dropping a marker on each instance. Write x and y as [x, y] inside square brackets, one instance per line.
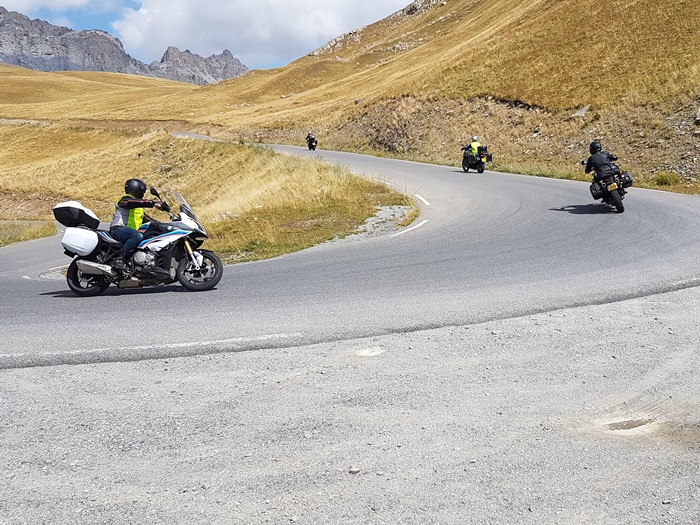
[128, 216]
[600, 161]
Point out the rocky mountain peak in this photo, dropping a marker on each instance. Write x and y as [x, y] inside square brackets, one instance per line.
[39, 45]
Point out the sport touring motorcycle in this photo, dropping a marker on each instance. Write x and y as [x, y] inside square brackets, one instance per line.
[169, 252]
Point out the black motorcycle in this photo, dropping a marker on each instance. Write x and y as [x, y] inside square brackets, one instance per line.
[610, 185]
[476, 162]
[311, 142]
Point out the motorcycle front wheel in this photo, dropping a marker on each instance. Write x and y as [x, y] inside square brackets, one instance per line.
[616, 200]
[209, 274]
[83, 284]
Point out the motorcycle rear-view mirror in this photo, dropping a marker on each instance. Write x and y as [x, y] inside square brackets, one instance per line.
[155, 193]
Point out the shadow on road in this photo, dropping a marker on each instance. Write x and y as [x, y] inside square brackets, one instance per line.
[113, 291]
[585, 209]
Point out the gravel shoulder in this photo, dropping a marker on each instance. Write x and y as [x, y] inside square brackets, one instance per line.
[586, 415]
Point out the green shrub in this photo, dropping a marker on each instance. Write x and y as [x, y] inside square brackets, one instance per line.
[667, 178]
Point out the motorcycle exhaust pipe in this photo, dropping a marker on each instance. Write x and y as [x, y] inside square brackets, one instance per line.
[93, 268]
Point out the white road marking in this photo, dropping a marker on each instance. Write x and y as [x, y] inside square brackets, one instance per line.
[410, 229]
[235, 342]
[190, 344]
[422, 199]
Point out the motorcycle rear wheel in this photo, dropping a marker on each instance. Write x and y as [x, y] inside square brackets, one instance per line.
[208, 276]
[480, 167]
[83, 284]
[616, 200]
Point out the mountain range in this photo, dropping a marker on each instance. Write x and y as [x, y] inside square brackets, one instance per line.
[39, 45]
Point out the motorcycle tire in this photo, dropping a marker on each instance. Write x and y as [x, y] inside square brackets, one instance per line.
[480, 167]
[465, 167]
[85, 285]
[206, 278]
[616, 200]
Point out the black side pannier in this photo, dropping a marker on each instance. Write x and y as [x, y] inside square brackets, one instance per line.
[626, 179]
[596, 191]
[485, 151]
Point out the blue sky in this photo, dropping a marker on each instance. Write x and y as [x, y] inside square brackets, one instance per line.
[262, 34]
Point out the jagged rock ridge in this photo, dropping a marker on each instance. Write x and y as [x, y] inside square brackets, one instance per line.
[39, 45]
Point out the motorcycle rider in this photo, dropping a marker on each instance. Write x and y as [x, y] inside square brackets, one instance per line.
[310, 136]
[474, 145]
[600, 161]
[128, 216]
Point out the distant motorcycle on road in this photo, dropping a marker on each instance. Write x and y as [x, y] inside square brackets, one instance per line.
[311, 142]
[610, 185]
[475, 161]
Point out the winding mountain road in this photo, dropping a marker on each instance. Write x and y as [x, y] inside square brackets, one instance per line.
[486, 246]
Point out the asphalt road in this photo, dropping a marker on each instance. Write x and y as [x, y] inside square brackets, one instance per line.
[523, 357]
[485, 247]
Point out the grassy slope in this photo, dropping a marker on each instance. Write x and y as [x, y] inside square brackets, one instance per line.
[551, 53]
[254, 202]
[65, 95]
[416, 85]
[564, 54]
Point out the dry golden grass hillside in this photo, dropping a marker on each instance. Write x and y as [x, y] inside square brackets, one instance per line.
[555, 54]
[72, 94]
[255, 203]
[419, 83]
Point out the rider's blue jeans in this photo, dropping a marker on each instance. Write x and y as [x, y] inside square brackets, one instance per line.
[129, 237]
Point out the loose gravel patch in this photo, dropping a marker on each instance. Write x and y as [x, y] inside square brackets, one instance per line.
[585, 416]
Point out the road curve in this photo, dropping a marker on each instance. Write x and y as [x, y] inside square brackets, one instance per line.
[489, 246]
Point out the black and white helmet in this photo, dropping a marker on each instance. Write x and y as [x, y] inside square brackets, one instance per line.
[135, 187]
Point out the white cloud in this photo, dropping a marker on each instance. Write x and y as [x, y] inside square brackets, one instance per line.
[260, 33]
[29, 6]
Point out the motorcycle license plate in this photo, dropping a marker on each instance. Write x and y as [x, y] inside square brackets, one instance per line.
[612, 187]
